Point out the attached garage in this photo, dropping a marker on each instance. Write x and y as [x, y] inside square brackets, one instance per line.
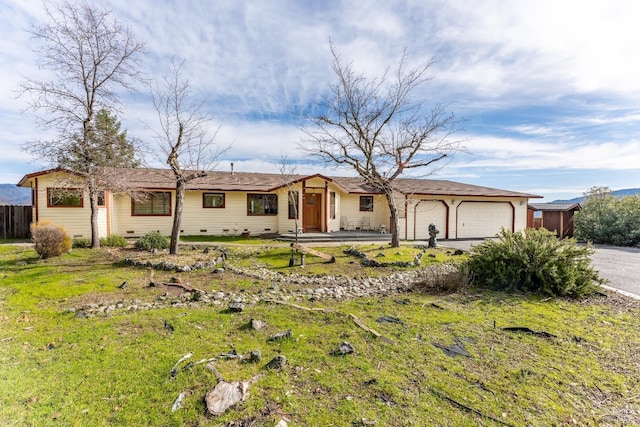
[430, 212]
[483, 219]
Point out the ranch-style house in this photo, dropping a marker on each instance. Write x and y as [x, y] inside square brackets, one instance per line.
[230, 203]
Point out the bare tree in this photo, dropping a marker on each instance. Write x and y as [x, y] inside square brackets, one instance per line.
[377, 127]
[90, 56]
[288, 170]
[184, 138]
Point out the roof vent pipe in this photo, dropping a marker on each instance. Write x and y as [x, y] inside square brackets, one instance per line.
[231, 168]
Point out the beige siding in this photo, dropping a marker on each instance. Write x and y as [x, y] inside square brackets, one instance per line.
[76, 220]
[230, 220]
[521, 214]
[135, 226]
[102, 222]
[334, 223]
[284, 224]
[197, 220]
[350, 208]
[318, 183]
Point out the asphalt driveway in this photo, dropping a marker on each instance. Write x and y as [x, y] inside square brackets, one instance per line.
[620, 266]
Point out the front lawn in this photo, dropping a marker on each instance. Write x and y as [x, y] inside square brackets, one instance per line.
[114, 367]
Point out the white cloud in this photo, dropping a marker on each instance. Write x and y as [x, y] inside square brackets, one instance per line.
[520, 154]
[255, 62]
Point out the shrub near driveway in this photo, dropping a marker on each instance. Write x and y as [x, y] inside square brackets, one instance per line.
[534, 261]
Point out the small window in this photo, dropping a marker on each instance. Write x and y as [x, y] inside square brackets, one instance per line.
[213, 200]
[293, 205]
[153, 204]
[366, 203]
[262, 204]
[65, 197]
[332, 204]
[101, 198]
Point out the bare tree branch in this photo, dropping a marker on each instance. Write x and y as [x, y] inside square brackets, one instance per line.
[183, 138]
[377, 127]
[91, 56]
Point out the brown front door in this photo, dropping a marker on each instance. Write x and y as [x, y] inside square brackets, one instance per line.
[312, 207]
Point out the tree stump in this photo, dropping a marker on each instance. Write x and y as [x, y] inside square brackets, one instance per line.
[226, 394]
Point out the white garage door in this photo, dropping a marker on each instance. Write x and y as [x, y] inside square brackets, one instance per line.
[483, 219]
[430, 212]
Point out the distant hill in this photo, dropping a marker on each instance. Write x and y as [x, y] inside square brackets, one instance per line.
[617, 193]
[11, 194]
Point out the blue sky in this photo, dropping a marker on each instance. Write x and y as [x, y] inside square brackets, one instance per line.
[549, 91]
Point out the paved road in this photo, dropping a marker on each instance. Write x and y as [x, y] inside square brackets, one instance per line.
[621, 266]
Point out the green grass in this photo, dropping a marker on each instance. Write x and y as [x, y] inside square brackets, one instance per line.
[277, 258]
[114, 370]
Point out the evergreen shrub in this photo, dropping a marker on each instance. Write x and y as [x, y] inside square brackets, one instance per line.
[152, 240]
[534, 261]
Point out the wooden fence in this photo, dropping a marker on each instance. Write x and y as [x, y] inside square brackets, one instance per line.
[15, 222]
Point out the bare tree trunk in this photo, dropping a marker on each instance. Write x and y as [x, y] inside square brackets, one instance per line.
[177, 218]
[93, 202]
[393, 209]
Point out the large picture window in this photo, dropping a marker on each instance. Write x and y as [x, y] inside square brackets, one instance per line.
[366, 203]
[294, 213]
[262, 204]
[65, 197]
[213, 200]
[158, 203]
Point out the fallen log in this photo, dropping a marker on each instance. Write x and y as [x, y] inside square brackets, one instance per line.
[371, 331]
[183, 286]
[306, 250]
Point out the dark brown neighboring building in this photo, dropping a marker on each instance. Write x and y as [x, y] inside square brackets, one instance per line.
[556, 217]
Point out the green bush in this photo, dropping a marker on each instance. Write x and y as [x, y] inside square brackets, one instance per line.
[113, 240]
[50, 239]
[607, 219]
[533, 261]
[152, 240]
[81, 243]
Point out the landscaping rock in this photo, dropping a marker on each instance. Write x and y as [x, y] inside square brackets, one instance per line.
[343, 349]
[257, 324]
[285, 287]
[81, 314]
[255, 356]
[281, 335]
[236, 307]
[277, 363]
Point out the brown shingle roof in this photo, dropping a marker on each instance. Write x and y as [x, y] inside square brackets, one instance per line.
[143, 178]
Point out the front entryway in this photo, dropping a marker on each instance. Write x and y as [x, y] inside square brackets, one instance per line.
[311, 212]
